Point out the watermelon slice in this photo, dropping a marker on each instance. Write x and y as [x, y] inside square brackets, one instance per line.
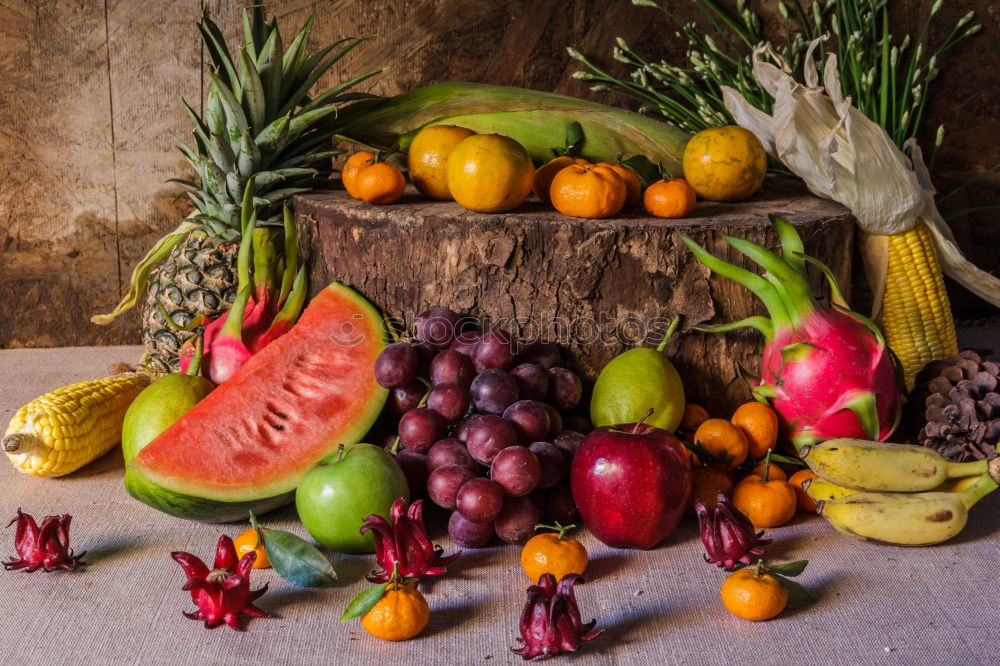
[247, 445]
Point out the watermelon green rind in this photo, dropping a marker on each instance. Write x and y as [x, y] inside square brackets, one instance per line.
[192, 507]
[331, 399]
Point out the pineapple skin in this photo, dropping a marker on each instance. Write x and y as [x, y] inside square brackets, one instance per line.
[197, 279]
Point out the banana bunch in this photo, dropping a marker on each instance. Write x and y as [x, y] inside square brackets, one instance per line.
[896, 493]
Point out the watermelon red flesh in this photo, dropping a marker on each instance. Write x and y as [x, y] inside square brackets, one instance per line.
[290, 405]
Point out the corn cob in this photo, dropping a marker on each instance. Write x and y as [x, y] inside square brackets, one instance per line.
[537, 120]
[916, 314]
[63, 430]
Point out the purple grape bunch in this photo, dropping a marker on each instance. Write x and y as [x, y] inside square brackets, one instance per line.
[481, 426]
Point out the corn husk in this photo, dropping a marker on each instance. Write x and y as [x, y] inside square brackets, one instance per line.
[843, 155]
[537, 120]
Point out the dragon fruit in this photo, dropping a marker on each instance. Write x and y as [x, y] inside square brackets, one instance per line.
[826, 370]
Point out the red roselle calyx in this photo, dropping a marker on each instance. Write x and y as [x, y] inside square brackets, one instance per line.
[729, 537]
[221, 594]
[43, 548]
[404, 544]
[550, 622]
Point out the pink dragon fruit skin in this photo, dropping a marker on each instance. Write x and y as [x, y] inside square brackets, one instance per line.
[826, 370]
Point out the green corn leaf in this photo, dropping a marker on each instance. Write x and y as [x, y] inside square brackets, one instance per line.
[253, 92]
[363, 602]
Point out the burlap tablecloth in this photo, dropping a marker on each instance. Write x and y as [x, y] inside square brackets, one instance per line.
[877, 604]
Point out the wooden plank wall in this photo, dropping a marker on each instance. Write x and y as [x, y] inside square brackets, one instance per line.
[90, 101]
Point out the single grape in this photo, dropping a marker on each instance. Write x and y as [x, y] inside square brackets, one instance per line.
[555, 421]
[420, 428]
[467, 342]
[414, 466]
[444, 482]
[559, 504]
[568, 441]
[517, 519]
[437, 327]
[577, 424]
[451, 401]
[495, 350]
[532, 381]
[479, 500]
[468, 534]
[516, 470]
[407, 396]
[565, 388]
[487, 436]
[462, 427]
[530, 420]
[450, 451]
[544, 354]
[552, 461]
[425, 355]
[494, 390]
[452, 367]
[396, 365]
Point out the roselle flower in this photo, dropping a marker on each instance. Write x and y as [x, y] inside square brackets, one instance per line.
[43, 548]
[223, 593]
[405, 545]
[729, 537]
[550, 622]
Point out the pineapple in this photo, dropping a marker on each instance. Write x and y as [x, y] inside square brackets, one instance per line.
[260, 121]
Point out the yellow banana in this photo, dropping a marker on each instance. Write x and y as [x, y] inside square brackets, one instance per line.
[906, 519]
[821, 490]
[880, 466]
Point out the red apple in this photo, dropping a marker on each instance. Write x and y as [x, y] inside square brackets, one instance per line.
[631, 483]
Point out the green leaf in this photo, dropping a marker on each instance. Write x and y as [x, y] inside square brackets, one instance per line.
[253, 92]
[363, 602]
[704, 456]
[795, 591]
[786, 460]
[295, 559]
[789, 568]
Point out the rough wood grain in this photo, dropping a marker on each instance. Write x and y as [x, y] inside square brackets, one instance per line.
[597, 287]
[91, 100]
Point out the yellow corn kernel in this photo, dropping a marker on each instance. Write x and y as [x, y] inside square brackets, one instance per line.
[63, 430]
[916, 314]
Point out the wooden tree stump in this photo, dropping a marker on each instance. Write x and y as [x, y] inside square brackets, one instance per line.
[597, 287]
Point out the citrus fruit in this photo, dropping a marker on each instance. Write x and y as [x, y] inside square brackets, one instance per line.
[805, 503]
[770, 504]
[584, 190]
[754, 596]
[774, 473]
[669, 198]
[553, 553]
[760, 424]
[379, 183]
[632, 383]
[427, 158]
[723, 440]
[545, 173]
[353, 165]
[725, 163]
[400, 614]
[247, 541]
[707, 483]
[489, 173]
[633, 187]
[694, 416]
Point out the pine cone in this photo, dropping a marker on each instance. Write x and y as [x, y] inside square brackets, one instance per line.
[961, 400]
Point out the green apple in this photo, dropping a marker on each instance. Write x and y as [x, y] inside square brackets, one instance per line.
[336, 496]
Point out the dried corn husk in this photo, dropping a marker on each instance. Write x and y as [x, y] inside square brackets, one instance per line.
[842, 155]
[537, 120]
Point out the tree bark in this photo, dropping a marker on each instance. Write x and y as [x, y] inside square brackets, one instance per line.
[596, 287]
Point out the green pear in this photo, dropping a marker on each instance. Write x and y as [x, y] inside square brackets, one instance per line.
[636, 381]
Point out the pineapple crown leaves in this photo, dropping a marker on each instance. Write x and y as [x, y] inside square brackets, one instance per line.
[259, 120]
